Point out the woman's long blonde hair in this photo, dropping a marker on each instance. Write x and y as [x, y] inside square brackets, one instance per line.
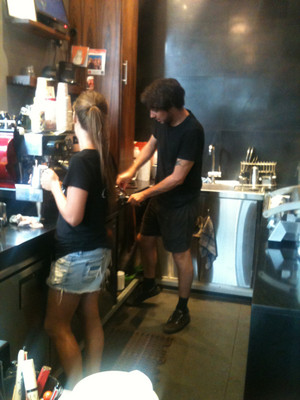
[91, 110]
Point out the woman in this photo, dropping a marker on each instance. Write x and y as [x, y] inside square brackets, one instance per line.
[82, 251]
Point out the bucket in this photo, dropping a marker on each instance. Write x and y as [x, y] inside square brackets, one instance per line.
[115, 385]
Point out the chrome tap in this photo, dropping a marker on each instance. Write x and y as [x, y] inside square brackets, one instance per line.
[211, 152]
[213, 174]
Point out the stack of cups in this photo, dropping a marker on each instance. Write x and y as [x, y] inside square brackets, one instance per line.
[64, 118]
[50, 110]
[50, 114]
[41, 91]
[39, 105]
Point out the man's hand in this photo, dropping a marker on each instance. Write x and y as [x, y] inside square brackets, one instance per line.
[137, 198]
[146, 153]
[124, 179]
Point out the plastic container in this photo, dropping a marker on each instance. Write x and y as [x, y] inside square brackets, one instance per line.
[144, 172]
[120, 280]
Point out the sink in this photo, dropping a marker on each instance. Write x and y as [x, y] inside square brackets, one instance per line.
[221, 185]
[232, 189]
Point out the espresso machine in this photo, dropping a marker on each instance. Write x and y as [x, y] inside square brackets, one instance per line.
[38, 152]
[8, 157]
[24, 156]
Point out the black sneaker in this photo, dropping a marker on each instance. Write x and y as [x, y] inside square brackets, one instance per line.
[178, 320]
[140, 294]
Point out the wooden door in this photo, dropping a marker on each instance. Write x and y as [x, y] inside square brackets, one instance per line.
[101, 24]
[129, 72]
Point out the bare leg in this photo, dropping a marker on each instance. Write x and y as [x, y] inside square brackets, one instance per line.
[184, 264]
[60, 312]
[93, 331]
[148, 254]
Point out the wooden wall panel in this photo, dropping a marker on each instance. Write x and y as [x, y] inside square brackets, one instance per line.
[129, 54]
[98, 25]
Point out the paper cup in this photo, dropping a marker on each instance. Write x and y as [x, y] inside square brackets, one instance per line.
[62, 90]
[121, 280]
[41, 91]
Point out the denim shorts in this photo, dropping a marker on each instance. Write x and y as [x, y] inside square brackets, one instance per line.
[79, 272]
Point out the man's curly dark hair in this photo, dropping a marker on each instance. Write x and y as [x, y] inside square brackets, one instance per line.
[162, 94]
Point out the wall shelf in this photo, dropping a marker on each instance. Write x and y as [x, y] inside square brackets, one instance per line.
[30, 81]
[40, 29]
[22, 80]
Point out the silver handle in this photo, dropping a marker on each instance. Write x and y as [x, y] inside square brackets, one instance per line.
[125, 65]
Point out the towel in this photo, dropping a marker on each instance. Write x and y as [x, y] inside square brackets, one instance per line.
[207, 241]
[25, 222]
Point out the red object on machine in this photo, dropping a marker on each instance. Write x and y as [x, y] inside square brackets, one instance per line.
[8, 160]
[140, 145]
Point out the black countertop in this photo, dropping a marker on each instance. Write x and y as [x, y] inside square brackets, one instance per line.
[17, 244]
[273, 367]
[277, 278]
[12, 236]
[20, 244]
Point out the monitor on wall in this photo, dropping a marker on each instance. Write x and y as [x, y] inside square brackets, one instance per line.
[52, 13]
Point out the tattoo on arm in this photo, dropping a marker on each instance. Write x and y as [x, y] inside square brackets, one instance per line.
[178, 162]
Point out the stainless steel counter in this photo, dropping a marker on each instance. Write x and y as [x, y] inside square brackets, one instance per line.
[236, 218]
[231, 190]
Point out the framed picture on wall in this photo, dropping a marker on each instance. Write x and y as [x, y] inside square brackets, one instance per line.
[96, 61]
[79, 55]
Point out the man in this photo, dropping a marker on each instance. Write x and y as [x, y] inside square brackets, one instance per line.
[171, 212]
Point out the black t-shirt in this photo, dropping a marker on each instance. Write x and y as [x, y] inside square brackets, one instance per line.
[84, 173]
[185, 141]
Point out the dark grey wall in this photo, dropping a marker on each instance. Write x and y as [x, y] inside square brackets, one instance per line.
[239, 62]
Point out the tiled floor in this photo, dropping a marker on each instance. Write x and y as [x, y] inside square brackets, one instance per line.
[207, 360]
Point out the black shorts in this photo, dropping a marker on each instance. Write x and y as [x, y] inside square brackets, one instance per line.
[175, 225]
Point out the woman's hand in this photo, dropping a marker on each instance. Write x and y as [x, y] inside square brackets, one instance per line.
[72, 206]
[48, 179]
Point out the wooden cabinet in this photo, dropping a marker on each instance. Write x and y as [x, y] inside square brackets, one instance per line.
[22, 309]
[112, 25]
[129, 64]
